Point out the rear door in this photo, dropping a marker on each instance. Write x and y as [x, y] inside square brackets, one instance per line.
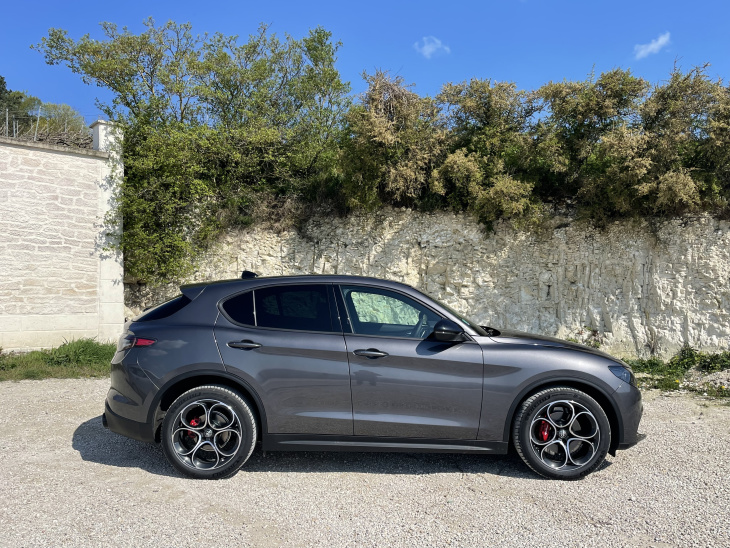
[285, 340]
[405, 384]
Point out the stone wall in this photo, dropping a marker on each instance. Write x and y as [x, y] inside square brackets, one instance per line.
[56, 282]
[634, 289]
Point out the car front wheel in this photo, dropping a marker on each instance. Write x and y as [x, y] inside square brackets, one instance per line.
[208, 432]
[562, 433]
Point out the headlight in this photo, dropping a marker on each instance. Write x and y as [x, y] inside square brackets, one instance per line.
[623, 373]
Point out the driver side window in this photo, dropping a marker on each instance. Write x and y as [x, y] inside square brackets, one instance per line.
[386, 313]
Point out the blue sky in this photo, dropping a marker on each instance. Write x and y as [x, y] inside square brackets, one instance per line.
[529, 42]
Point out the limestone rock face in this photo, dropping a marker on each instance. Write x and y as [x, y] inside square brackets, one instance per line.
[632, 288]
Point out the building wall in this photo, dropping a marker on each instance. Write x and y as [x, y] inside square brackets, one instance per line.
[56, 280]
[634, 288]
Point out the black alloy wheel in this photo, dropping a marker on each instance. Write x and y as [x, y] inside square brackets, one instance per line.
[562, 433]
[209, 432]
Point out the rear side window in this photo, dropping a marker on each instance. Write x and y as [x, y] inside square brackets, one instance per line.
[240, 308]
[164, 310]
[297, 307]
[300, 307]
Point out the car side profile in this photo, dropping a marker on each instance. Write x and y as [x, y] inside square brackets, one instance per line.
[347, 363]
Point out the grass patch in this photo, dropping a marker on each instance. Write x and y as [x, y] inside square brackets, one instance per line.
[675, 373]
[73, 359]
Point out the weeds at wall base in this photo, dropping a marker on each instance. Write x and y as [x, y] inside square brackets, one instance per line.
[72, 359]
[687, 370]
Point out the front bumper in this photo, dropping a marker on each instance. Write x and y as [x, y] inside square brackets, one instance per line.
[631, 409]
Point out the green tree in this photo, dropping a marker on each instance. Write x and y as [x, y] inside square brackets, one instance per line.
[488, 168]
[58, 118]
[714, 152]
[395, 139]
[20, 108]
[683, 123]
[571, 137]
[9, 99]
[221, 132]
[216, 133]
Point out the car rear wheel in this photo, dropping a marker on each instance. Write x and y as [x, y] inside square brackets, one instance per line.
[562, 433]
[208, 432]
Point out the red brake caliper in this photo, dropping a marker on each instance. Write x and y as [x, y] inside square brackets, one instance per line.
[193, 422]
[544, 430]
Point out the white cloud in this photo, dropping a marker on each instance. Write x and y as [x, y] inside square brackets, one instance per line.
[643, 50]
[429, 45]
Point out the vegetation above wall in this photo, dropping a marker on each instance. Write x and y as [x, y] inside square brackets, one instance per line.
[26, 117]
[220, 134]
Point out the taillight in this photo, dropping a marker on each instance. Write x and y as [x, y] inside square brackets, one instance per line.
[130, 341]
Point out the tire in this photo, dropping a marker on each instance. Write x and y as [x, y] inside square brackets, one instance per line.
[209, 432]
[561, 433]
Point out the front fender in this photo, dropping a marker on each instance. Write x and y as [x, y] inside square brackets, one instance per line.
[598, 390]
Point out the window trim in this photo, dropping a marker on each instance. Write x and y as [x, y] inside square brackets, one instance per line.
[334, 322]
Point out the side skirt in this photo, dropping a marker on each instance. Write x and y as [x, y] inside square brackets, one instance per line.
[304, 442]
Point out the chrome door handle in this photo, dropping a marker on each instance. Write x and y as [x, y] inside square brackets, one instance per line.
[371, 353]
[244, 345]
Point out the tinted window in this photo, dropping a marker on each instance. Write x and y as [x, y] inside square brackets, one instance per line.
[388, 313]
[240, 308]
[168, 308]
[301, 307]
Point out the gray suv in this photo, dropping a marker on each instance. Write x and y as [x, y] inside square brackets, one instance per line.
[345, 363]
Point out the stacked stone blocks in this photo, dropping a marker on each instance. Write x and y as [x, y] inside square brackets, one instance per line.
[56, 281]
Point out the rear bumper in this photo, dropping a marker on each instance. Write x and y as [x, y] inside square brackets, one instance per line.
[126, 427]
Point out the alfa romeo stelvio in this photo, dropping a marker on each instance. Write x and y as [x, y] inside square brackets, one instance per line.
[346, 363]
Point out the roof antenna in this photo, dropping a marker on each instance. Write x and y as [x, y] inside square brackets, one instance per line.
[248, 274]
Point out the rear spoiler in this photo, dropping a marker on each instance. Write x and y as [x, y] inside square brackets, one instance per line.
[192, 291]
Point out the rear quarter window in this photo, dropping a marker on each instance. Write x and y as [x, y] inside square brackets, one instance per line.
[240, 308]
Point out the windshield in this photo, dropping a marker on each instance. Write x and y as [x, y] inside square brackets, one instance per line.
[471, 323]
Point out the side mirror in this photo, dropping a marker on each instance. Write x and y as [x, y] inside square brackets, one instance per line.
[448, 331]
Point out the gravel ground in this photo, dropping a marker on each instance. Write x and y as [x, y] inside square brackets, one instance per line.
[68, 481]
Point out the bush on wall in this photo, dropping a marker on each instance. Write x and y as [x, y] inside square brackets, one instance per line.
[222, 133]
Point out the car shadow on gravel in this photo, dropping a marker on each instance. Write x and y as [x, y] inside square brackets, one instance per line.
[388, 463]
[97, 444]
[508, 466]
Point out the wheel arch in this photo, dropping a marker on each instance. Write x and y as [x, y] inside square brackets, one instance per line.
[608, 405]
[181, 384]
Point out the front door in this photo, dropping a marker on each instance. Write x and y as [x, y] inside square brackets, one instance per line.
[405, 384]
